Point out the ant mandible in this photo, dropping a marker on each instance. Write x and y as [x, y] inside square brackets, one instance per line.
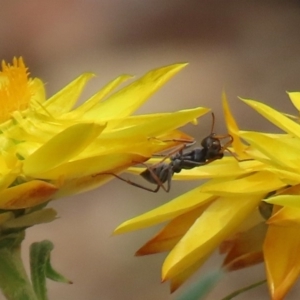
[161, 173]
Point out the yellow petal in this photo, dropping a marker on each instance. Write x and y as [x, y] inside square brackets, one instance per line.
[93, 165]
[245, 248]
[26, 195]
[286, 216]
[158, 126]
[237, 144]
[63, 101]
[226, 167]
[258, 183]
[124, 140]
[147, 132]
[252, 165]
[39, 95]
[180, 278]
[80, 112]
[290, 178]
[131, 121]
[275, 117]
[170, 235]
[281, 251]
[274, 149]
[170, 210]
[295, 98]
[124, 102]
[61, 148]
[217, 222]
[10, 168]
[285, 200]
[80, 185]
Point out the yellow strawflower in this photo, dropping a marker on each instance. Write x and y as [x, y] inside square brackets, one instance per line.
[50, 148]
[249, 208]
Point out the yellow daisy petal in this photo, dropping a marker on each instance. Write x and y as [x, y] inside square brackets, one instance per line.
[275, 150]
[290, 178]
[39, 95]
[65, 99]
[92, 165]
[286, 216]
[127, 100]
[26, 195]
[281, 251]
[227, 167]
[81, 185]
[95, 99]
[61, 148]
[171, 234]
[170, 210]
[177, 280]
[216, 223]
[295, 98]
[275, 117]
[245, 248]
[155, 127]
[258, 183]
[237, 144]
[285, 200]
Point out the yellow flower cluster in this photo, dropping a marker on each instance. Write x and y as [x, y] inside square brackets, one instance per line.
[250, 207]
[50, 148]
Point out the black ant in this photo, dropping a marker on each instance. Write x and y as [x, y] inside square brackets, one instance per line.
[162, 172]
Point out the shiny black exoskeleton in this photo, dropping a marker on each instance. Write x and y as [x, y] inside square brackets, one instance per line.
[163, 172]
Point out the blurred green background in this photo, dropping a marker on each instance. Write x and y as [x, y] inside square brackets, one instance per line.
[249, 48]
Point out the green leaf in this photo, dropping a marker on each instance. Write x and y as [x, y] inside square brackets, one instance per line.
[11, 240]
[37, 217]
[201, 288]
[14, 283]
[54, 275]
[41, 268]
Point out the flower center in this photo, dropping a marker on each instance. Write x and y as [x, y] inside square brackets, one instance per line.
[15, 88]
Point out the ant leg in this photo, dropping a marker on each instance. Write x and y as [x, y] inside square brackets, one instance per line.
[156, 178]
[174, 151]
[132, 183]
[225, 148]
[225, 136]
[169, 180]
[174, 140]
[236, 157]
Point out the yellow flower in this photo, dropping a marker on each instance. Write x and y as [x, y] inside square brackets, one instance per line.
[250, 207]
[50, 148]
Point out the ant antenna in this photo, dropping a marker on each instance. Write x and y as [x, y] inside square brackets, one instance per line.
[213, 123]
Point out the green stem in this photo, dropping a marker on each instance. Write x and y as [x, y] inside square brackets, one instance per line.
[14, 281]
[245, 289]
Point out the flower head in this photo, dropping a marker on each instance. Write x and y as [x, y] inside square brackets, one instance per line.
[249, 207]
[50, 148]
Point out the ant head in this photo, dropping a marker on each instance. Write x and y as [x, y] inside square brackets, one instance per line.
[212, 144]
[213, 147]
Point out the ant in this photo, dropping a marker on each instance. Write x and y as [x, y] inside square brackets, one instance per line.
[162, 172]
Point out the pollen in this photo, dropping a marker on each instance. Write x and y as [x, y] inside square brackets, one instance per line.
[15, 88]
